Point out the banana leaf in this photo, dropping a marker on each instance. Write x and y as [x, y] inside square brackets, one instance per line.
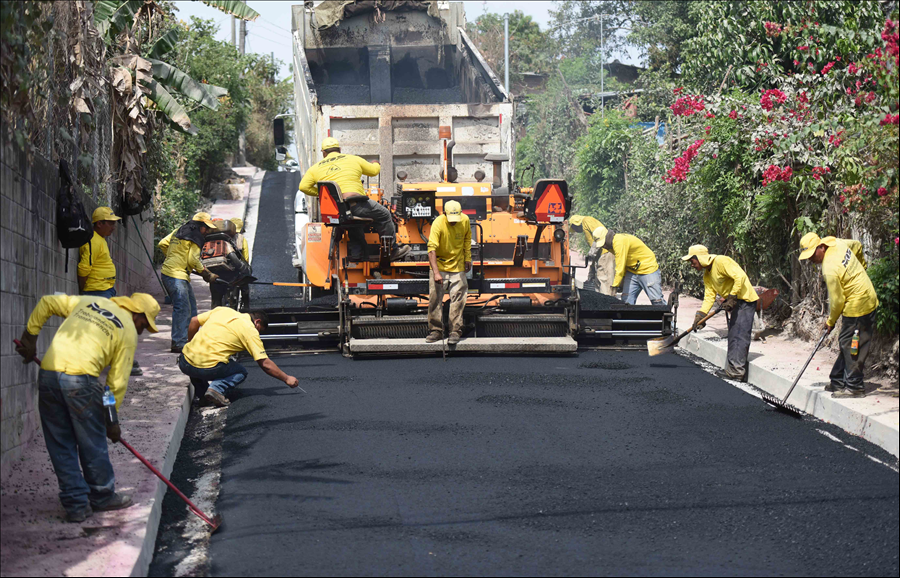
[169, 106]
[165, 44]
[113, 16]
[235, 8]
[174, 79]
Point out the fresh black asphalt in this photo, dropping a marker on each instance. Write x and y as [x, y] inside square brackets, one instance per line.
[604, 463]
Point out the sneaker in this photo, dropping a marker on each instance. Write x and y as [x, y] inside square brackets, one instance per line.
[434, 336]
[176, 348]
[454, 338]
[400, 252]
[136, 369]
[117, 502]
[848, 393]
[214, 398]
[79, 516]
[832, 388]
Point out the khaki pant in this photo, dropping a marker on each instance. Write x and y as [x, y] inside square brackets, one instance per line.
[604, 269]
[458, 286]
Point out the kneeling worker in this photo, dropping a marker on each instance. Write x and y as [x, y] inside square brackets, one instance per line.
[346, 171]
[215, 336]
[450, 255]
[852, 297]
[636, 267]
[97, 332]
[723, 276]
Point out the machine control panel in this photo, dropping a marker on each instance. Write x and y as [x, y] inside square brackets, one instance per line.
[418, 204]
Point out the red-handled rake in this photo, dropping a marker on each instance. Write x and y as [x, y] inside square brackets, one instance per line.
[216, 520]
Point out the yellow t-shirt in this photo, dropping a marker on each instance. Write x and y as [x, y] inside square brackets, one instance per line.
[588, 224]
[95, 263]
[850, 291]
[182, 257]
[632, 255]
[223, 332]
[345, 170]
[165, 242]
[96, 333]
[451, 243]
[725, 277]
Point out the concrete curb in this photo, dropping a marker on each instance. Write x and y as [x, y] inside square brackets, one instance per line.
[142, 564]
[851, 415]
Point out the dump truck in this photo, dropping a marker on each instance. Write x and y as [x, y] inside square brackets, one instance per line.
[402, 84]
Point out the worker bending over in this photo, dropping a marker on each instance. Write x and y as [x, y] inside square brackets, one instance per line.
[450, 255]
[213, 338]
[723, 276]
[182, 250]
[851, 296]
[97, 333]
[347, 171]
[636, 267]
[602, 264]
[217, 290]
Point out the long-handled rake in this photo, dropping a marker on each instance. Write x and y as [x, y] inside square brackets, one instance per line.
[662, 345]
[215, 522]
[781, 404]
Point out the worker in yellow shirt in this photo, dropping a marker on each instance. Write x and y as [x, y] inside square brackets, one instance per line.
[182, 250]
[346, 171]
[214, 337]
[218, 290]
[723, 276]
[636, 267]
[852, 298]
[450, 255]
[96, 270]
[97, 333]
[602, 263]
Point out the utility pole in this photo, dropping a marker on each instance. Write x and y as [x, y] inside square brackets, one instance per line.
[241, 159]
[602, 75]
[506, 51]
[273, 66]
[233, 35]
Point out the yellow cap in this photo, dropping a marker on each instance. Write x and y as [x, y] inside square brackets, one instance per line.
[453, 210]
[599, 235]
[104, 214]
[576, 220]
[810, 242]
[330, 143]
[701, 253]
[204, 218]
[141, 303]
[237, 223]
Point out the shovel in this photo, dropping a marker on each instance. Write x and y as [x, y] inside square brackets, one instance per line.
[214, 522]
[781, 404]
[662, 345]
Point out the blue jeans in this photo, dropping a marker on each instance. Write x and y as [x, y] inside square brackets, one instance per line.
[111, 292]
[71, 409]
[651, 284]
[184, 306]
[221, 378]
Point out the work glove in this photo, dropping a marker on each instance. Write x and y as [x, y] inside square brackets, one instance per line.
[698, 317]
[208, 276]
[729, 303]
[594, 252]
[28, 349]
[113, 432]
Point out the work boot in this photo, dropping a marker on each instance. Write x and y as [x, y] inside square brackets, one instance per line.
[116, 502]
[434, 336]
[79, 516]
[454, 338]
[831, 388]
[722, 374]
[848, 393]
[136, 369]
[175, 348]
[214, 398]
[399, 252]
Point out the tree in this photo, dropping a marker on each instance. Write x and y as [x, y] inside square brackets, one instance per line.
[530, 50]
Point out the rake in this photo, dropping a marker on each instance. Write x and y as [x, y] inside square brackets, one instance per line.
[781, 404]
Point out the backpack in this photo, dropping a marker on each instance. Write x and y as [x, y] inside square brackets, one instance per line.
[220, 256]
[73, 225]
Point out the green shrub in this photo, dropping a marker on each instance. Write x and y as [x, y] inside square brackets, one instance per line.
[883, 274]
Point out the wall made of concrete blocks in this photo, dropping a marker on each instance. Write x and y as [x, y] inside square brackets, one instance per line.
[33, 264]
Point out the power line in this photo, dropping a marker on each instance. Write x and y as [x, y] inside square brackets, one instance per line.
[273, 30]
[275, 25]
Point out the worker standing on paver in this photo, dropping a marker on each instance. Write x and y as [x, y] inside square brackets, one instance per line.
[723, 276]
[182, 250]
[450, 255]
[97, 332]
[214, 337]
[602, 268]
[346, 171]
[636, 267]
[852, 297]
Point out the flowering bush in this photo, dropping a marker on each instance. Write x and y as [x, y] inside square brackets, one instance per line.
[682, 167]
[688, 105]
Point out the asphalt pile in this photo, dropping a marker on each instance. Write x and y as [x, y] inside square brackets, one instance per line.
[593, 301]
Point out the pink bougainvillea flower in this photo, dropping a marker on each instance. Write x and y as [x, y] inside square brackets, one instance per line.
[804, 47]
[882, 191]
[766, 100]
[733, 115]
[852, 68]
[827, 67]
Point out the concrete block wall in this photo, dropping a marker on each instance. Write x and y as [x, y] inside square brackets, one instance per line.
[32, 264]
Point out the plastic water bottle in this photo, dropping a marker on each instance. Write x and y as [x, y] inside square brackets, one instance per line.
[854, 344]
[109, 405]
